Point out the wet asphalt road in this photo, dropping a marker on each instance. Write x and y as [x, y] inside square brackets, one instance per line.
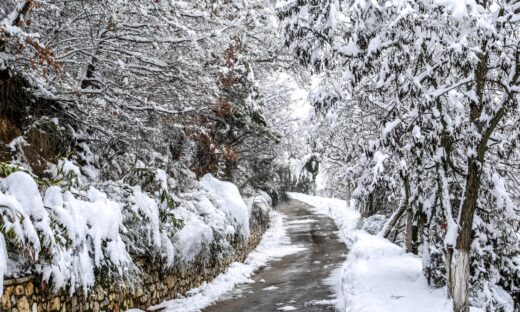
[296, 282]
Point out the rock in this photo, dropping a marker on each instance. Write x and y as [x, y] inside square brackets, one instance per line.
[170, 281]
[23, 305]
[54, 305]
[100, 294]
[19, 291]
[29, 289]
[74, 303]
[6, 301]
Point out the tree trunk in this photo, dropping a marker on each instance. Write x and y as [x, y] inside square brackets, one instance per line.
[459, 280]
[458, 269]
[458, 262]
[417, 229]
[368, 207]
[392, 221]
[409, 240]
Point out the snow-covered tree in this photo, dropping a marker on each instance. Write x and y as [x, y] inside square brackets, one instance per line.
[441, 78]
[131, 99]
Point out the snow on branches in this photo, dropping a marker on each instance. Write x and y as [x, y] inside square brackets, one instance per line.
[440, 82]
[111, 110]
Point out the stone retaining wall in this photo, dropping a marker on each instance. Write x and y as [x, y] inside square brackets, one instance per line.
[30, 294]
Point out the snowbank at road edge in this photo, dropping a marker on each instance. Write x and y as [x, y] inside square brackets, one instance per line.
[378, 276]
[274, 244]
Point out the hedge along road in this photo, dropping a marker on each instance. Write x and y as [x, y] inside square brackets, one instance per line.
[297, 282]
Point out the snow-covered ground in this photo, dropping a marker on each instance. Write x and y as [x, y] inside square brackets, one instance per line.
[275, 244]
[378, 276]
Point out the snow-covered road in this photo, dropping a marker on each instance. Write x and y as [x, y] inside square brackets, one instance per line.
[298, 281]
[289, 270]
[378, 276]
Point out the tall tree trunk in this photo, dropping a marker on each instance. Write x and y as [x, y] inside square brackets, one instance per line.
[417, 229]
[459, 263]
[409, 241]
[458, 266]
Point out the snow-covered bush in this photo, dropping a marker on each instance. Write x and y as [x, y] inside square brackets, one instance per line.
[69, 236]
[89, 228]
[227, 198]
[149, 218]
[373, 224]
[24, 218]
